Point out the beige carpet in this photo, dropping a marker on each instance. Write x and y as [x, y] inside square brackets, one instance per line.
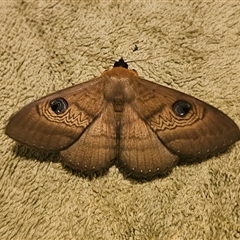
[49, 45]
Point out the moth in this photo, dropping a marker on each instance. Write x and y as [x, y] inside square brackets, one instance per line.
[122, 117]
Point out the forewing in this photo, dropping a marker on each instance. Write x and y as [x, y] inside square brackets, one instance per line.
[202, 131]
[37, 125]
[141, 152]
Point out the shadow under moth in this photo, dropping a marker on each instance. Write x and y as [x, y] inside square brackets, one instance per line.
[122, 117]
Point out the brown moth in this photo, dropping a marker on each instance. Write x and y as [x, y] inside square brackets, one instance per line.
[120, 116]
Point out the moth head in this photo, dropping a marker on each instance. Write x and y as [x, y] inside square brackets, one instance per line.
[181, 108]
[120, 63]
[59, 105]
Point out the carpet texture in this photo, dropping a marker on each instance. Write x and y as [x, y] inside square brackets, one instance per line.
[192, 46]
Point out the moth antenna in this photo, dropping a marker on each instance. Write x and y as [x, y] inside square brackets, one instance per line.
[100, 57]
[144, 59]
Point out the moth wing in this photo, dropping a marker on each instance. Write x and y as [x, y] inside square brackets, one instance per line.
[96, 148]
[202, 131]
[37, 125]
[141, 152]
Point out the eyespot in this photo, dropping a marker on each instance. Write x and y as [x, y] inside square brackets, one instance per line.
[59, 105]
[181, 108]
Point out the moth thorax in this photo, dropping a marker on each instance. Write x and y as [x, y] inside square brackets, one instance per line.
[118, 92]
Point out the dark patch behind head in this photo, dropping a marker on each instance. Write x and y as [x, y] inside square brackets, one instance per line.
[120, 63]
